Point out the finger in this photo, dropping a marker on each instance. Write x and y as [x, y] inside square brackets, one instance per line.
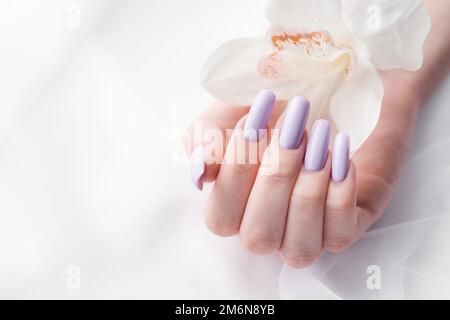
[340, 223]
[226, 204]
[205, 141]
[302, 242]
[264, 219]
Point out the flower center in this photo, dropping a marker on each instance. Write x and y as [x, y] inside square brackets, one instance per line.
[310, 42]
[304, 55]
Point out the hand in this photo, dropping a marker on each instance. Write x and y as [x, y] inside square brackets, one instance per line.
[296, 210]
[302, 217]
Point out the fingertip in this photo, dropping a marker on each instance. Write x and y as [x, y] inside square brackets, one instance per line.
[317, 148]
[345, 187]
[350, 178]
[351, 175]
[341, 156]
[197, 168]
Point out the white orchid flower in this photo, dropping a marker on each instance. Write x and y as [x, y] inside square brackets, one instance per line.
[327, 51]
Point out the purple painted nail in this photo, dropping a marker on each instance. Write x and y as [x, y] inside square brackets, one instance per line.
[197, 167]
[317, 149]
[294, 123]
[259, 115]
[341, 154]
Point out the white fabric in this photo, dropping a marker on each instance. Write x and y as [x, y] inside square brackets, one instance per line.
[92, 174]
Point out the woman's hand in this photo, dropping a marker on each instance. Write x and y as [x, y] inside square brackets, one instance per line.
[298, 208]
[288, 199]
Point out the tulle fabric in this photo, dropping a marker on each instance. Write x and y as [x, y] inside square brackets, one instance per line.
[408, 244]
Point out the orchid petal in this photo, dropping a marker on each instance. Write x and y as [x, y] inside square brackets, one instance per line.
[231, 73]
[393, 31]
[311, 14]
[356, 105]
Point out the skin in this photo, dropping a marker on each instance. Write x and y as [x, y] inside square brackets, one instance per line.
[314, 213]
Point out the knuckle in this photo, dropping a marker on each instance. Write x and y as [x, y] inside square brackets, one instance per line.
[262, 242]
[301, 256]
[340, 204]
[220, 226]
[243, 171]
[338, 243]
[307, 196]
[282, 174]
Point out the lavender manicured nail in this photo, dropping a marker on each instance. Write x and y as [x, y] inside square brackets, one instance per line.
[317, 149]
[259, 115]
[294, 123]
[341, 154]
[197, 167]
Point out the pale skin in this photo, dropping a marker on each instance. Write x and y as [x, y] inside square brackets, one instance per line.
[301, 213]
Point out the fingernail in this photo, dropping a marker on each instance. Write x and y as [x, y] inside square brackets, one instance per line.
[294, 123]
[317, 149]
[197, 167]
[341, 154]
[258, 117]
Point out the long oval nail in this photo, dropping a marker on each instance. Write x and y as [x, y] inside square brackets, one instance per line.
[294, 123]
[258, 117]
[341, 155]
[317, 149]
[197, 167]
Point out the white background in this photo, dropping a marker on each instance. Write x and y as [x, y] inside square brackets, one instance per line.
[94, 98]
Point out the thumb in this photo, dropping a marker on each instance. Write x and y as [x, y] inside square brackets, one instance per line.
[206, 140]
